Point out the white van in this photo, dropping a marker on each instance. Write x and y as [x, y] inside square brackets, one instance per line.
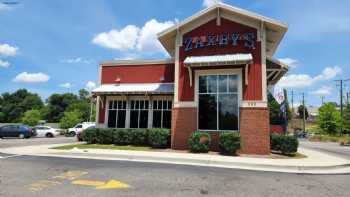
[79, 128]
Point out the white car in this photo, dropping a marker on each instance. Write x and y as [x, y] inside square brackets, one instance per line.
[79, 128]
[46, 131]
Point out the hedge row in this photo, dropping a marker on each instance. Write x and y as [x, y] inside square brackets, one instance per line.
[200, 142]
[283, 143]
[159, 138]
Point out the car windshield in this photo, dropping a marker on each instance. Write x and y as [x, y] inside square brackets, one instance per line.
[79, 126]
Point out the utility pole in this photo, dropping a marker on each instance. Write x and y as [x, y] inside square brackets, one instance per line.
[347, 98]
[303, 111]
[322, 100]
[292, 99]
[341, 81]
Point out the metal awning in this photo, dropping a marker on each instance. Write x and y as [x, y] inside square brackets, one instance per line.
[135, 88]
[214, 60]
[274, 70]
[218, 60]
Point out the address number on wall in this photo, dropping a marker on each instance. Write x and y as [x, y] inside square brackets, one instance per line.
[254, 104]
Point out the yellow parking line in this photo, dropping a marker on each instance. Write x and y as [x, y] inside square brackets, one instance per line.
[88, 182]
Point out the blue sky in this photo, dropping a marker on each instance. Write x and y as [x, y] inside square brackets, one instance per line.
[55, 46]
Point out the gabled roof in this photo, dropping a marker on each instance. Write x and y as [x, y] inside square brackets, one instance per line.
[275, 29]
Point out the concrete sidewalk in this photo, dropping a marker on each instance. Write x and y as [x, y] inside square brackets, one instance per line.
[315, 163]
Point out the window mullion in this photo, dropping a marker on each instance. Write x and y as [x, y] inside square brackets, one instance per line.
[217, 102]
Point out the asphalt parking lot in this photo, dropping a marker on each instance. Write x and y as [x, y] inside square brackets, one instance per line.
[57, 177]
[13, 142]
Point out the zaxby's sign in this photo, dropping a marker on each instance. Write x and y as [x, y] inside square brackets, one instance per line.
[232, 39]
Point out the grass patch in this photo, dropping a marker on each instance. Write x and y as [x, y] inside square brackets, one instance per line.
[103, 146]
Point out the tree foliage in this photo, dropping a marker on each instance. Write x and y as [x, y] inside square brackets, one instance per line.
[57, 104]
[13, 105]
[329, 119]
[31, 117]
[70, 118]
[301, 112]
[275, 111]
[346, 118]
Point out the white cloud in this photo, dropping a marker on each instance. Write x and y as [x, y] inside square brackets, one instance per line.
[118, 39]
[4, 7]
[25, 77]
[323, 91]
[4, 64]
[305, 80]
[66, 85]
[292, 63]
[76, 60]
[90, 85]
[329, 73]
[147, 40]
[295, 81]
[8, 50]
[131, 37]
[209, 3]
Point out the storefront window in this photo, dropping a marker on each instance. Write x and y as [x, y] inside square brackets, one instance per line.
[218, 102]
[139, 113]
[116, 114]
[162, 114]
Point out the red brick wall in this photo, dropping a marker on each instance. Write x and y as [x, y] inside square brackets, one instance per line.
[184, 122]
[254, 131]
[149, 73]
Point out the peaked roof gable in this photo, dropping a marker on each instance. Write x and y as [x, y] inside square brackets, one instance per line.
[275, 30]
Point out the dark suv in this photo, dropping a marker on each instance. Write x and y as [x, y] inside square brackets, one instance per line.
[20, 131]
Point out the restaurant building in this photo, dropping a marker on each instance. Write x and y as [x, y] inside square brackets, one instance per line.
[216, 80]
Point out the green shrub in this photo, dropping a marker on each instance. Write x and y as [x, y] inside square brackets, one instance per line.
[159, 138]
[275, 142]
[289, 145]
[90, 136]
[284, 144]
[105, 136]
[138, 136]
[229, 142]
[199, 142]
[122, 137]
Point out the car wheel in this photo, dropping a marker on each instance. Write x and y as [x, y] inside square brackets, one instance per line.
[72, 133]
[21, 136]
[49, 135]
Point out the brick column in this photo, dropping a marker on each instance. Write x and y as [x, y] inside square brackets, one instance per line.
[183, 123]
[254, 131]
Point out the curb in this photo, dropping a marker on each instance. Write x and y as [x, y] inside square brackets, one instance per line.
[320, 170]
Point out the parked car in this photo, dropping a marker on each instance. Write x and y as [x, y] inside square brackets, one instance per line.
[79, 128]
[80, 137]
[20, 131]
[45, 131]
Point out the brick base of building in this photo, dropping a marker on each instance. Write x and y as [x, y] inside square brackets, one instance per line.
[254, 130]
[183, 123]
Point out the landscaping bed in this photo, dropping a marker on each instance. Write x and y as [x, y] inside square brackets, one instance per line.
[342, 140]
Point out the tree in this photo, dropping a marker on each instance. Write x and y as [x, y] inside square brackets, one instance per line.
[301, 112]
[346, 118]
[57, 104]
[84, 94]
[13, 105]
[275, 110]
[329, 119]
[31, 117]
[70, 119]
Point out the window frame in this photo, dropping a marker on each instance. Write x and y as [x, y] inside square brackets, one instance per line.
[110, 108]
[217, 72]
[138, 110]
[162, 110]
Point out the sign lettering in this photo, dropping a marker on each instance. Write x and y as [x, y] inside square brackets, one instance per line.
[249, 40]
